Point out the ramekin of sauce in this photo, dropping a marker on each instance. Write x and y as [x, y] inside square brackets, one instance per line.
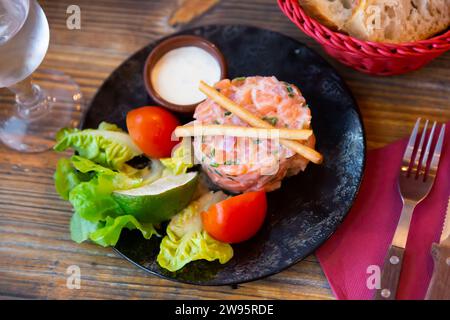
[175, 67]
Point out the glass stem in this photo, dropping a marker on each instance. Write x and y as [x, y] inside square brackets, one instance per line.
[31, 101]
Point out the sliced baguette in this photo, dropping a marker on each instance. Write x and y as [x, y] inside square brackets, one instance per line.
[396, 21]
[332, 13]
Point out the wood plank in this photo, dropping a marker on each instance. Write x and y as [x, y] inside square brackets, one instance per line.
[188, 10]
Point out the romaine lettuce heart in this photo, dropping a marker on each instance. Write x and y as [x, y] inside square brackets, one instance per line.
[108, 145]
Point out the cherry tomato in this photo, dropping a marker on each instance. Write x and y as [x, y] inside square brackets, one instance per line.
[236, 219]
[151, 129]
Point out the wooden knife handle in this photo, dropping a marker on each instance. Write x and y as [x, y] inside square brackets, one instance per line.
[390, 274]
[439, 288]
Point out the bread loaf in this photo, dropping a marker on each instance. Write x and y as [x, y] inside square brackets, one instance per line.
[332, 13]
[391, 21]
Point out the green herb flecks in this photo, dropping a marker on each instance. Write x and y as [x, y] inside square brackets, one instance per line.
[230, 163]
[290, 90]
[272, 120]
[227, 113]
[239, 79]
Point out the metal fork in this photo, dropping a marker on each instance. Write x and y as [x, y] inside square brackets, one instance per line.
[415, 180]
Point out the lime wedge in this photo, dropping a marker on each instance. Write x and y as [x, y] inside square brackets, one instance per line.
[158, 201]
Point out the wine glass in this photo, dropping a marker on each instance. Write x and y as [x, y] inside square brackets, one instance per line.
[43, 101]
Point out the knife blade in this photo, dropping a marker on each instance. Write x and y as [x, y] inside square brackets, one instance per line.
[439, 288]
[445, 235]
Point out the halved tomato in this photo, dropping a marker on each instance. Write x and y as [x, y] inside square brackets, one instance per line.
[151, 129]
[236, 219]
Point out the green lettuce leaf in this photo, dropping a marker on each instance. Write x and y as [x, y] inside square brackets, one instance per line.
[186, 240]
[84, 166]
[98, 217]
[88, 179]
[67, 178]
[107, 146]
[180, 161]
[80, 228]
[92, 199]
[109, 234]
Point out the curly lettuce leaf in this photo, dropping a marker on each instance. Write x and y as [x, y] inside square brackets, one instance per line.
[84, 166]
[92, 199]
[180, 161]
[98, 217]
[88, 186]
[107, 232]
[107, 146]
[186, 240]
[80, 228]
[67, 178]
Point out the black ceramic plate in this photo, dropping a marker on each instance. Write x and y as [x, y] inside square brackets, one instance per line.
[309, 207]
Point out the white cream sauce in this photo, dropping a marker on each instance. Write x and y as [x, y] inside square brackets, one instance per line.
[177, 74]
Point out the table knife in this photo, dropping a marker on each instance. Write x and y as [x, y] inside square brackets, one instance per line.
[439, 288]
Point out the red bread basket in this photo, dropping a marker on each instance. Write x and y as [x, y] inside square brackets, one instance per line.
[365, 56]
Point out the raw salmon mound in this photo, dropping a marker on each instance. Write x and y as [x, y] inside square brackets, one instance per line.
[249, 164]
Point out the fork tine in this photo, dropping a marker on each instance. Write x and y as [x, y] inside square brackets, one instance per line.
[411, 143]
[423, 165]
[418, 156]
[437, 151]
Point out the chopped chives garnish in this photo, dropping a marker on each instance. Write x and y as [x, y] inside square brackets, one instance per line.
[227, 113]
[272, 120]
[239, 79]
[290, 90]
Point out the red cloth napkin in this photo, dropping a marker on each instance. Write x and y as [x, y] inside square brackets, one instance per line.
[366, 233]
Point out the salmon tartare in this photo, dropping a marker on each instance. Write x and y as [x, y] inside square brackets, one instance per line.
[249, 164]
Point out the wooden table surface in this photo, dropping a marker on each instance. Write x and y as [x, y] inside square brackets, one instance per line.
[35, 245]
